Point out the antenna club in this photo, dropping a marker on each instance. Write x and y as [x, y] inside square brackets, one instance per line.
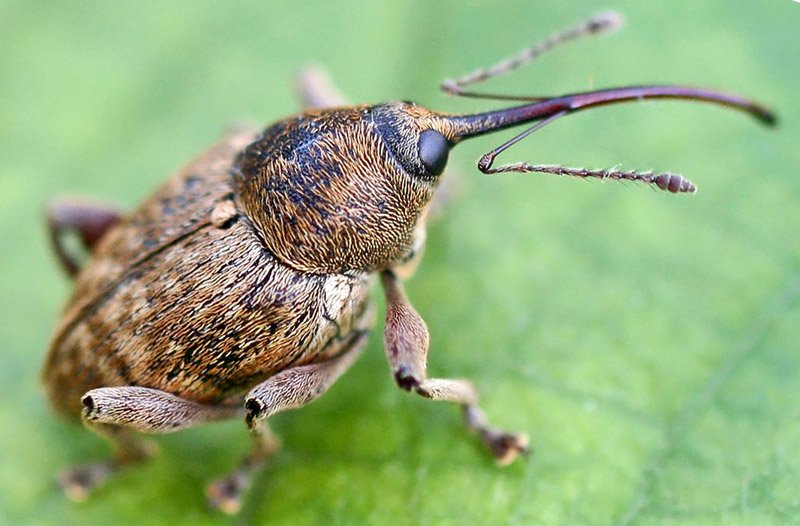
[674, 183]
[606, 21]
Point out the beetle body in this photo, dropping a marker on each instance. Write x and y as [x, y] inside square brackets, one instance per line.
[242, 286]
[179, 300]
[255, 258]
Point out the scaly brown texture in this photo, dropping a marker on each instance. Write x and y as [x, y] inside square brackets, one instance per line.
[174, 302]
[327, 195]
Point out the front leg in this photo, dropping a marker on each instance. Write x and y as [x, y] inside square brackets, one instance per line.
[406, 339]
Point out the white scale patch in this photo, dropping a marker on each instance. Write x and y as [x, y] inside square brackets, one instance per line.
[336, 291]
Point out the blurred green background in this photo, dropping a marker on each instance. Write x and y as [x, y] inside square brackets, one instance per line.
[647, 342]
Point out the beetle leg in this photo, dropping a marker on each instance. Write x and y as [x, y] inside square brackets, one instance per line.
[289, 389]
[90, 220]
[406, 338]
[116, 413]
[316, 90]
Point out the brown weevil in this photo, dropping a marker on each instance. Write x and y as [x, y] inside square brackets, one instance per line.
[240, 288]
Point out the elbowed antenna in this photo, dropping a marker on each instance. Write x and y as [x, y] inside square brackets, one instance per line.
[545, 111]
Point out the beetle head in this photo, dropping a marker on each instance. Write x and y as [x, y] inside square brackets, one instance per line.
[343, 189]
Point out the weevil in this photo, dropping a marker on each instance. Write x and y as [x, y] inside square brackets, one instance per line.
[241, 287]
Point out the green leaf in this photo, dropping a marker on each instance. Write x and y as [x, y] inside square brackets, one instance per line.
[647, 342]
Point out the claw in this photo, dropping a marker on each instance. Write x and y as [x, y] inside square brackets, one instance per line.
[79, 482]
[406, 379]
[255, 409]
[506, 447]
[225, 494]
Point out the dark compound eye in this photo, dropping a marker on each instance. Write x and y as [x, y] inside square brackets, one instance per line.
[433, 150]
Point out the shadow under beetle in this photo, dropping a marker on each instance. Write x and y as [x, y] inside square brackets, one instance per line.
[240, 288]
